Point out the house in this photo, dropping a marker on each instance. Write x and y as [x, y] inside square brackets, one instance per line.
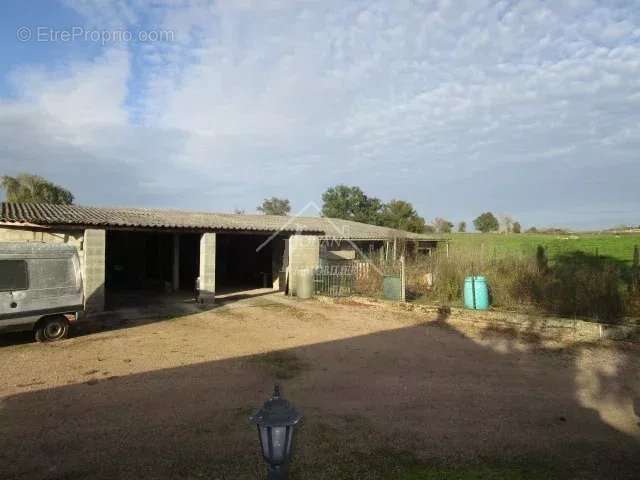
[126, 249]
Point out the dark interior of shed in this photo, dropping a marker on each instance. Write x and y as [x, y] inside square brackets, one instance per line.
[139, 260]
[243, 262]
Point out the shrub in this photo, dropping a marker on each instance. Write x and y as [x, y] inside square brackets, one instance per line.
[584, 285]
[575, 284]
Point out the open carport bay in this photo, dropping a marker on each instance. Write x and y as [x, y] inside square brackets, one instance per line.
[385, 394]
[141, 264]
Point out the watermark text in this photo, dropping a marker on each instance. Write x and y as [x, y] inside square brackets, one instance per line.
[44, 34]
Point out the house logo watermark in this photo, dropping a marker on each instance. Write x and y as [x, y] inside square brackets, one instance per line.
[77, 33]
[332, 232]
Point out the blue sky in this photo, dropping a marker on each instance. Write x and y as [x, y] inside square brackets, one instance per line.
[526, 108]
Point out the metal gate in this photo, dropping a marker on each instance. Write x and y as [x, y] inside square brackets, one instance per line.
[334, 280]
[360, 278]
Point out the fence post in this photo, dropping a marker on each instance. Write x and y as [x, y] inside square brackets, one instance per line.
[403, 280]
[634, 286]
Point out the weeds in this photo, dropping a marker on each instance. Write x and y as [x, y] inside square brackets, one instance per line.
[574, 284]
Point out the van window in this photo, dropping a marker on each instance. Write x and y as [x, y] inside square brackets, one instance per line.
[51, 273]
[13, 275]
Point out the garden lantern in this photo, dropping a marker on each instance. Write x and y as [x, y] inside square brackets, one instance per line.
[276, 421]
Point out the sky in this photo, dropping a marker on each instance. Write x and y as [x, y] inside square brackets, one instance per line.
[527, 108]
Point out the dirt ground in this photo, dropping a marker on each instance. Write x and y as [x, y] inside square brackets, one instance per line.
[383, 393]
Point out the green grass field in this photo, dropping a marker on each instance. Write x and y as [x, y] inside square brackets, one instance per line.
[619, 246]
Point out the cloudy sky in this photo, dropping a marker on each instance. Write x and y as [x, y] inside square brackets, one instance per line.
[530, 108]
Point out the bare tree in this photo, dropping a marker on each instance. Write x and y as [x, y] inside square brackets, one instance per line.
[506, 223]
[443, 225]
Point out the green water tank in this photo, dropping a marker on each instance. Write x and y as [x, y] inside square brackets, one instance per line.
[476, 293]
[392, 287]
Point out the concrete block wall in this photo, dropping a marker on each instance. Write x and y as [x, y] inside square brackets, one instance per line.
[94, 269]
[208, 267]
[71, 237]
[304, 253]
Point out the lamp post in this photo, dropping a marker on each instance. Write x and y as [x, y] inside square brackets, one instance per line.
[276, 421]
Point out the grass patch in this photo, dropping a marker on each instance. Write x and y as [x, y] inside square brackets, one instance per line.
[386, 464]
[282, 365]
[617, 246]
[481, 472]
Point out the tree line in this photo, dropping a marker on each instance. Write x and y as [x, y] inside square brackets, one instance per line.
[351, 203]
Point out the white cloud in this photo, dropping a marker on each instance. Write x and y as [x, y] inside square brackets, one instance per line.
[406, 99]
[80, 94]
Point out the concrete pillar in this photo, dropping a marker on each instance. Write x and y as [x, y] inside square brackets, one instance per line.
[304, 253]
[94, 267]
[175, 277]
[277, 262]
[208, 267]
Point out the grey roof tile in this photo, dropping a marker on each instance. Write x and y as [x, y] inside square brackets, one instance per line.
[72, 215]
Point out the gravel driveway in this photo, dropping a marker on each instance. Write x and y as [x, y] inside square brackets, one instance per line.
[382, 391]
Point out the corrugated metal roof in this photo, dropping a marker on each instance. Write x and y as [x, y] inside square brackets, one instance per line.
[47, 214]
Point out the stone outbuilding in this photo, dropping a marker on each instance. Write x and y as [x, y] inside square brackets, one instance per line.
[137, 249]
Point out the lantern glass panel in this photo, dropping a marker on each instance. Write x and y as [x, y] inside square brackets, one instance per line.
[277, 454]
[278, 438]
[264, 440]
[289, 441]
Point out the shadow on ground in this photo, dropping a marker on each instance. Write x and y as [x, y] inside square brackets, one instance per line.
[376, 406]
[136, 309]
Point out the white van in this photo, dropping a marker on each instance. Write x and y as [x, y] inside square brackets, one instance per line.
[40, 289]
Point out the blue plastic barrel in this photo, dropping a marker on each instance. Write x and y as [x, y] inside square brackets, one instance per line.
[476, 293]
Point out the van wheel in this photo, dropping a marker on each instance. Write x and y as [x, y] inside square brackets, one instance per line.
[50, 329]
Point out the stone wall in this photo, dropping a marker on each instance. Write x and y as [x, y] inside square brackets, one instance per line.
[544, 327]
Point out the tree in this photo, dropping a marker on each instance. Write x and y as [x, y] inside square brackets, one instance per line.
[442, 225]
[517, 228]
[26, 188]
[350, 203]
[239, 211]
[506, 223]
[401, 215]
[462, 227]
[532, 230]
[275, 206]
[487, 222]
